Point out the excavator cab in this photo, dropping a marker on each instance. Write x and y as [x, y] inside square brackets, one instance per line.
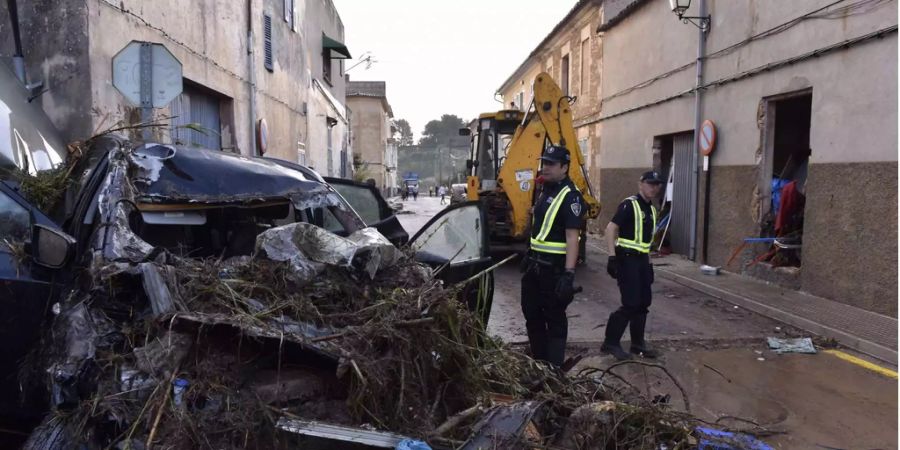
[504, 166]
[493, 133]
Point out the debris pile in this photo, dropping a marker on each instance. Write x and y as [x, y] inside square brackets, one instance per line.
[208, 353]
[159, 346]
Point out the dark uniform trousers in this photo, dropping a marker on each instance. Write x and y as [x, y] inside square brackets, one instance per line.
[545, 314]
[635, 275]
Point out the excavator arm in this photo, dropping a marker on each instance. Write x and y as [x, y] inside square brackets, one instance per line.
[549, 120]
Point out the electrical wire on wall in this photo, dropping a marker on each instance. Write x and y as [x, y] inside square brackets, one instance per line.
[755, 71]
[853, 9]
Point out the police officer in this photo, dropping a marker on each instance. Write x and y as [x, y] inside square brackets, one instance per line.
[547, 285]
[628, 237]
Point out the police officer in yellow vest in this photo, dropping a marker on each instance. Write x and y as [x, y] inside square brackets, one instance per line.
[628, 237]
[547, 285]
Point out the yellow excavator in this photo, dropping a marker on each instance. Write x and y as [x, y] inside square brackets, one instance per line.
[504, 165]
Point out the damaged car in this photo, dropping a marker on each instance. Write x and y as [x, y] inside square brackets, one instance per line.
[142, 222]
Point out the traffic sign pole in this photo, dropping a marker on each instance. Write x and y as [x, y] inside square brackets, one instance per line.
[146, 70]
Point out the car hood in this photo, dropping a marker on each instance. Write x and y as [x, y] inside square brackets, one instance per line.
[177, 174]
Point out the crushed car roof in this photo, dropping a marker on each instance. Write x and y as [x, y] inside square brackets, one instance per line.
[169, 173]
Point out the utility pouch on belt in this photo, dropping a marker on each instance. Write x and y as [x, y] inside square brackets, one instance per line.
[532, 262]
[525, 264]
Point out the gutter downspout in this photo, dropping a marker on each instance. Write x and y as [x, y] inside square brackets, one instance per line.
[19, 57]
[251, 66]
[695, 153]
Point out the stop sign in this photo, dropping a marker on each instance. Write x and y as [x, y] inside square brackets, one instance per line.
[165, 73]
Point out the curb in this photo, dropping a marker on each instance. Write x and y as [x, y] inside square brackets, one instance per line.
[846, 339]
[870, 348]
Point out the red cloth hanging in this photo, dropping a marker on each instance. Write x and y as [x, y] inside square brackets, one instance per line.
[791, 202]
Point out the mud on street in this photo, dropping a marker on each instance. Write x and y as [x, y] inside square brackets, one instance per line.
[718, 353]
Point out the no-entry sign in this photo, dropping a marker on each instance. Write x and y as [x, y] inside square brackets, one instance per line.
[707, 137]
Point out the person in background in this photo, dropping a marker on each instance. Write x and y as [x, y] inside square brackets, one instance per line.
[628, 237]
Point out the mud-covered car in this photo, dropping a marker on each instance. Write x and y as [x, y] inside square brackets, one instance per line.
[133, 203]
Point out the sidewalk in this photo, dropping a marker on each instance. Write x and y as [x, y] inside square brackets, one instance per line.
[864, 331]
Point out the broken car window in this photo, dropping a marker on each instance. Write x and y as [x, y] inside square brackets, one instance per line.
[15, 221]
[362, 200]
[456, 237]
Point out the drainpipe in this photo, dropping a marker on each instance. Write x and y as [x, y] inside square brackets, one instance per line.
[251, 66]
[18, 57]
[695, 153]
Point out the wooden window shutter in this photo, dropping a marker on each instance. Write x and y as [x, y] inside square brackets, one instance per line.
[267, 42]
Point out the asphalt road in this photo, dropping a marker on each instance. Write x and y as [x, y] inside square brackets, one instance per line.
[718, 353]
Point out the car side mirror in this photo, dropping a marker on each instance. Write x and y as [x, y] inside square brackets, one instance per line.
[465, 132]
[51, 248]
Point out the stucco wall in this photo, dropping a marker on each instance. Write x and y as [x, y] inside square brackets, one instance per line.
[853, 133]
[55, 42]
[320, 16]
[71, 44]
[369, 139]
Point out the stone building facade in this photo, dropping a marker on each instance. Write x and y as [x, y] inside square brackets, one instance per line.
[372, 131]
[242, 62]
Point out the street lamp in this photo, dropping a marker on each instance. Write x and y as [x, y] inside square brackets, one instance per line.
[679, 7]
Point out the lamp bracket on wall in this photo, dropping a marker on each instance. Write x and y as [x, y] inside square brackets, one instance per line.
[703, 23]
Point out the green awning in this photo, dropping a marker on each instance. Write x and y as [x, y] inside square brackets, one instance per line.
[337, 49]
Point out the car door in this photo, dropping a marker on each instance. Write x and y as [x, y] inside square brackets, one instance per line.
[456, 239]
[26, 289]
[371, 207]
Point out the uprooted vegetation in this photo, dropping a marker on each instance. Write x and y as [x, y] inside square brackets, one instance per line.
[396, 352]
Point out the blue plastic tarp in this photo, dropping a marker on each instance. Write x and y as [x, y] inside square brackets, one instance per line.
[712, 439]
[777, 185]
[411, 444]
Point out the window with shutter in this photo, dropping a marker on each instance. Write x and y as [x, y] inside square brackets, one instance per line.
[267, 42]
[326, 66]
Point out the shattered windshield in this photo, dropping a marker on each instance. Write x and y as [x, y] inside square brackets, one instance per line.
[186, 201]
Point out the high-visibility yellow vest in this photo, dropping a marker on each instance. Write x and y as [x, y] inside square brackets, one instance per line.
[540, 243]
[638, 242]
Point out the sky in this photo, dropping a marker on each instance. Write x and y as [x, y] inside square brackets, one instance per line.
[444, 57]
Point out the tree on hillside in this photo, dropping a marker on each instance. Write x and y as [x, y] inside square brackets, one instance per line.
[406, 135]
[442, 132]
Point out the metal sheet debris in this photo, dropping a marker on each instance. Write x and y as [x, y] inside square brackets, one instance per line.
[503, 425]
[797, 345]
[380, 439]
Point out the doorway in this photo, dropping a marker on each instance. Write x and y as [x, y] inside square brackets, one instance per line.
[675, 214]
[786, 165]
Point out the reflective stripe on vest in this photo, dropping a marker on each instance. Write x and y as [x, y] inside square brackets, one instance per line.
[538, 243]
[638, 242]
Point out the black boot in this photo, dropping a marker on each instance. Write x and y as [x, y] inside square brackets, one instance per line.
[538, 343]
[616, 350]
[615, 328]
[638, 345]
[556, 351]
